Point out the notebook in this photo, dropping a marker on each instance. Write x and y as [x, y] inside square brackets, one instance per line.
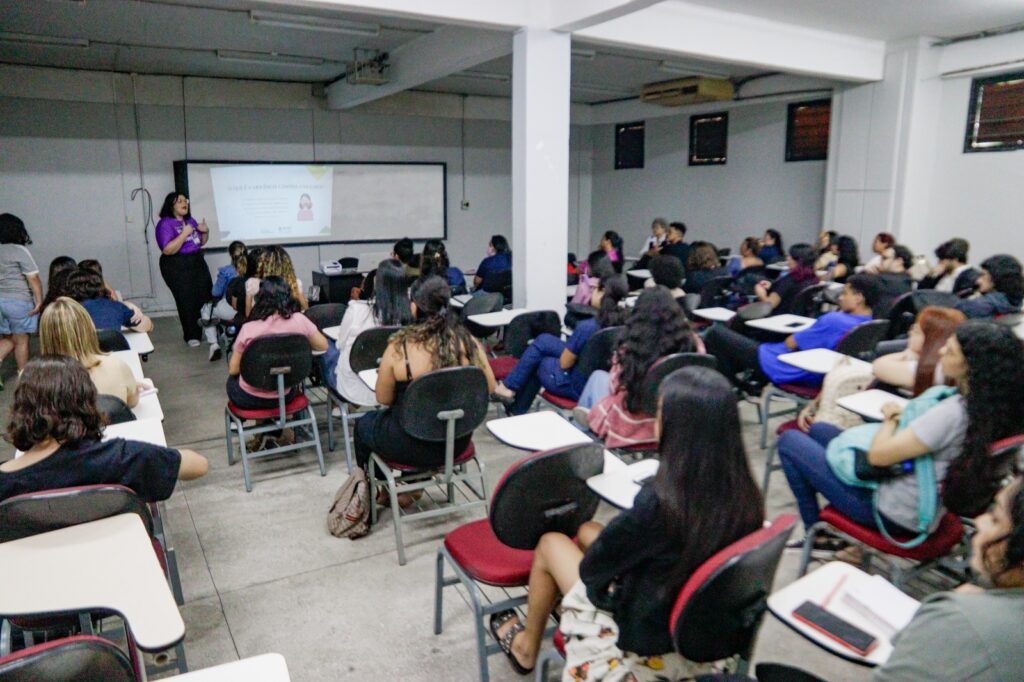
[881, 603]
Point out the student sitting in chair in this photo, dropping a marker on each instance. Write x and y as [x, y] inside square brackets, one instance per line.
[918, 368]
[951, 274]
[271, 261]
[668, 272]
[846, 260]
[619, 583]
[1000, 289]
[702, 266]
[499, 259]
[434, 261]
[55, 422]
[87, 288]
[598, 267]
[784, 290]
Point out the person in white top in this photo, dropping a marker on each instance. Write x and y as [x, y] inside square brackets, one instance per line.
[659, 229]
[952, 274]
[883, 242]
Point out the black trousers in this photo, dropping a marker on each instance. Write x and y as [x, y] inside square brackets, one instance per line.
[736, 353]
[188, 278]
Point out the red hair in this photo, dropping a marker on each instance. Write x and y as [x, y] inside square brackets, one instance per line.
[937, 324]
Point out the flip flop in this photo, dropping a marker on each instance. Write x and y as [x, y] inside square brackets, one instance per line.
[505, 643]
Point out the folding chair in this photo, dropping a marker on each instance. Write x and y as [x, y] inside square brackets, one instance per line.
[543, 492]
[477, 305]
[715, 292]
[440, 407]
[72, 659]
[113, 409]
[807, 301]
[596, 354]
[519, 333]
[325, 315]
[111, 340]
[275, 362]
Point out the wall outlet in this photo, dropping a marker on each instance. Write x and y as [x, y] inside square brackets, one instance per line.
[464, 205]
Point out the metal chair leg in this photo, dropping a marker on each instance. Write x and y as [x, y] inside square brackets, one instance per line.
[330, 421]
[227, 435]
[396, 514]
[245, 458]
[346, 434]
[316, 439]
[438, 591]
[769, 468]
[805, 554]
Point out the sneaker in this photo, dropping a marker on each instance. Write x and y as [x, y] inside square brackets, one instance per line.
[581, 415]
[215, 353]
[194, 343]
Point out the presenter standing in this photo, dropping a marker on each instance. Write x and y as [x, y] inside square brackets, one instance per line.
[182, 265]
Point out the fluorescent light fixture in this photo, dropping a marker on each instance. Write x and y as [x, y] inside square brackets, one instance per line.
[33, 39]
[310, 23]
[583, 53]
[602, 90]
[687, 70]
[484, 76]
[267, 58]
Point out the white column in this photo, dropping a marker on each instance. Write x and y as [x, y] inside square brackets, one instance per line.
[540, 167]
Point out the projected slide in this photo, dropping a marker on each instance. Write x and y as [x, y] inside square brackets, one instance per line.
[272, 201]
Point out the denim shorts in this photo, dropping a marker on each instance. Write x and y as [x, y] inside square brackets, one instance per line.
[14, 317]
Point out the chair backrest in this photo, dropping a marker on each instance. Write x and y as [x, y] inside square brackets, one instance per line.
[861, 341]
[482, 303]
[348, 263]
[905, 308]
[444, 390]
[750, 311]
[369, 347]
[546, 492]
[691, 302]
[497, 281]
[890, 346]
[527, 326]
[40, 512]
[597, 352]
[1006, 445]
[715, 292]
[82, 657]
[807, 302]
[274, 355]
[719, 609]
[326, 314]
[111, 340]
[113, 409]
[662, 368]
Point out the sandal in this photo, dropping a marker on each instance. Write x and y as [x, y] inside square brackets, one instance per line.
[505, 643]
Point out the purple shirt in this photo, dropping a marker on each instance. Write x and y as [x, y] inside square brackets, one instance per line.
[168, 230]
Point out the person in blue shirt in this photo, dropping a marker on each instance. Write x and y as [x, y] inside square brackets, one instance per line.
[219, 307]
[499, 259]
[737, 353]
[87, 288]
[550, 363]
[772, 249]
[1000, 289]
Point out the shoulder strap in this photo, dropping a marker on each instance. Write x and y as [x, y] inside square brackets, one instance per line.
[408, 370]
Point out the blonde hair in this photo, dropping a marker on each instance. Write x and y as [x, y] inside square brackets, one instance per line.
[65, 328]
[275, 262]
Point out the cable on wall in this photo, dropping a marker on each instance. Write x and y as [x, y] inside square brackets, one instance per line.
[141, 191]
[462, 150]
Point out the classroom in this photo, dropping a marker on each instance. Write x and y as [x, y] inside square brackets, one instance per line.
[511, 339]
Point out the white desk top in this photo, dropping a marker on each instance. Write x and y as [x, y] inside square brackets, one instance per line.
[818, 360]
[145, 430]
[105, 564]
[816, 587]
[620, 485]
[537, 431]
[331, 332]
[461, 300]
[369, 377]
[570, 290]
[265, 668]
[138, 341]
[149, 408]
[641, 273]
[868, 404]
[499, 318]
[130, 358]
[781, 266]
[782, 324]
[715, 314]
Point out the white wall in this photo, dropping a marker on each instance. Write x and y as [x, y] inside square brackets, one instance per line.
[755, 190]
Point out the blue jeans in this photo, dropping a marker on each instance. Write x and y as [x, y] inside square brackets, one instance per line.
[598, 386]
[539, 367]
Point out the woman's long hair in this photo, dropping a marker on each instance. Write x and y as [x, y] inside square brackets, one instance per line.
[656, 327]
[500, 244]
[1012, 555]
[65, 328]
[937, 324]
[848, 253]
[707, 496]
[616, 242]
[167, 210]
[273, 298]
[1006, 276]
[994, 385]
[777, 236]
[391, 296]
[438, 328]
[239, 257]
[804, 255]
[611, 313]
[274, 261]
[434, 260]
[55, 398]
[84, 285]
[12, 230]
[61, 268]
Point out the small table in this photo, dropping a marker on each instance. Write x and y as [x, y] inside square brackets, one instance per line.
[130, 358]
[717, 314]
[496, 319]
[641, 273]
[818, 360]
[265, 668]
[461, 300]
[619, 485]
[536, 431]
[331, 332]
[145, 430]
[105, 564]
[779, 267]
[139, 342]
[149, 408]
[782, 324]
[570, 290]
[868, 404]
[369, 377]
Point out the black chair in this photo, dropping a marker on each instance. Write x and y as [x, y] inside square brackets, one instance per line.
[497, 282]
[111, 340]
[113, 409]
[715, 292]
[808, 301]
[890, 346]
[596, 354]
[325, 315]
[545, 492]
[349, 263]
[277, 362]
[689, 303]
[438, 407]
[751, 311]
[904, 309]
[861, 341]
[661, 370]
[72, 659]
[520, 331]
[478, 305]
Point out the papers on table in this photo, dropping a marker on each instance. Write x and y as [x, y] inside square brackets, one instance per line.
[881, 603]
[818, 360]
[782, 324]
[620, 485]
[715, 314]
[868, 404]
[537, 431]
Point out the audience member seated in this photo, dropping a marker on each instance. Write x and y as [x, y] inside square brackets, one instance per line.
[772, 250]
[220, 307]
[61, 268]
[750, 249]
[972, 632]
[272, 261]
[674, 244]
[826, 252]
[656, 327]
[65, 328]
[659, 228]
[783, 290]
[986, 361]
[87, 288]
[667, 272]
[737, 353]
[894, 278]
[883, 241]
[434, 261]
[702, 265]
[846, 259]
[611, 244]
[93, 265]
[619, 583]
[598, 267]
[550, 363]
[499, 259]
[405, 251]
[434, 341]
[55, 422]
[999, 289]
[951, 274]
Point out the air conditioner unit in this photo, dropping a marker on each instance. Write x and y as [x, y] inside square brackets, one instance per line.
[682, 91]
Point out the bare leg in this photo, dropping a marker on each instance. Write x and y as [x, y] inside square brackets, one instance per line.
[587, 533]
[6, 346]
[21, 350]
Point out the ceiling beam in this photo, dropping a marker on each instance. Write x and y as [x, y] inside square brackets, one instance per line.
[504, 14]
[447, 50]
[576, 15]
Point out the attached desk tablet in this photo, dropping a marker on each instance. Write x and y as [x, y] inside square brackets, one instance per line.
[497, 319]
[139, 342]
[781, 267]
[640, 274]
[817, 360]
[620, 485]
[149, 408]
[570, 290]
[130, 358]
[782, 324]
[816, 587]
[265, 668]
[369, 377]
[461, 300]
[536, 431]
[331, 332]
[868, 404]
[105, 564]
[715, 314]
[145, 430]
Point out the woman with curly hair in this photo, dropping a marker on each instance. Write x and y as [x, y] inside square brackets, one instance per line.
[1000, 289]
[986, 361]
[434, 261]
[702, 266]
[272, 261]
[435, 340]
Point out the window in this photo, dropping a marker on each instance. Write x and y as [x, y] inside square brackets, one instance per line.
[995, 120]
[807, 130]
[629, 145]
[708, 134]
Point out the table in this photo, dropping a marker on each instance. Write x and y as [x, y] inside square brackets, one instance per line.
[369, 377]
[570, 290]
[105, 564]
[130, 358]
[145, 430]
[816, 587]
[537, 431]
[149, 408]
[715, 314]
[461, 300]
[264, 668]
[782, 324]
[818, 360]
[331, 332]
[139, 342]
[497, 319]
[868, 404]
[780, 267]
[619, 485]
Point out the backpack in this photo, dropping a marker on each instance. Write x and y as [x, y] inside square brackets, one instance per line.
[349, 515]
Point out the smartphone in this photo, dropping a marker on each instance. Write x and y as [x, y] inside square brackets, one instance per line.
[835, 628]
[794, 325]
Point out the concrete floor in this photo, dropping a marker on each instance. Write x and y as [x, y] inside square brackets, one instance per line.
[261, 573]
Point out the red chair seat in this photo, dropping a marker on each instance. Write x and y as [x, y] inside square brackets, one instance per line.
[297, 404]
[938, 544]
[791, 425]
[478, 551]
[558, 401]
[467, 454]
[503, 366]
[809, 392]
[559, 641]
